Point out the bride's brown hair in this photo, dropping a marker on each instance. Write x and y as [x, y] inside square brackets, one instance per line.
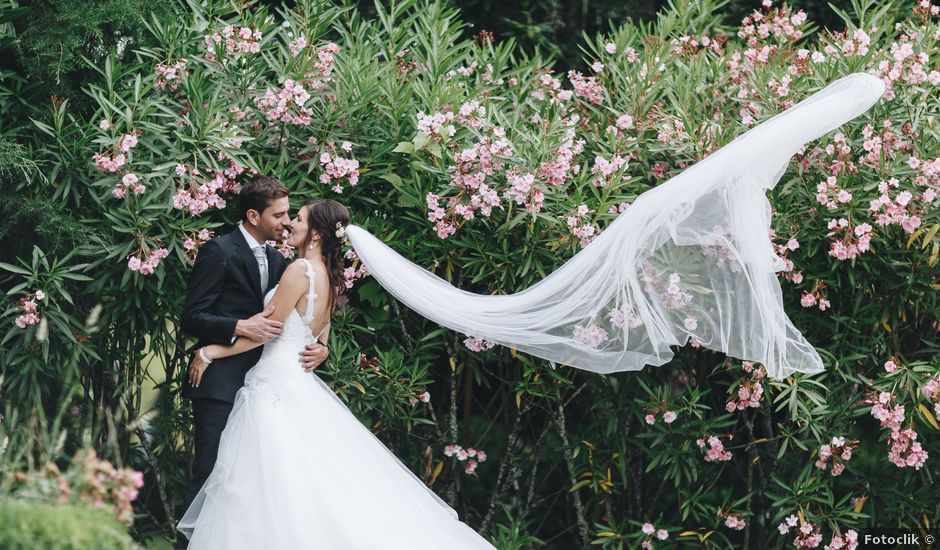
[322, 217]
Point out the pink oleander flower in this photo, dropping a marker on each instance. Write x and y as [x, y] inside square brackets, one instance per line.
[478, 344]
[837, 453]
[146, 266]
[733, 520]
[587, 87]
[286, 104]
[669, 417]
[590, 335]
[169, 75]
[231, 43]
[848, 541]
[904, 449]
[716, 451]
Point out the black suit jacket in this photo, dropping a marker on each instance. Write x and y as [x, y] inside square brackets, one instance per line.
[225, 286]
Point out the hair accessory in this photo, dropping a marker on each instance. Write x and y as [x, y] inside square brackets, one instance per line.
[341, 233]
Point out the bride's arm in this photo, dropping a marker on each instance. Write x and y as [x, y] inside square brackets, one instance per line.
[291, 286]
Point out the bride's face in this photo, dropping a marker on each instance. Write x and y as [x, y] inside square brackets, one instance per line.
[298, 228]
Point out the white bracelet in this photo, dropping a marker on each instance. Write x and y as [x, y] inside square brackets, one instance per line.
[202, 355]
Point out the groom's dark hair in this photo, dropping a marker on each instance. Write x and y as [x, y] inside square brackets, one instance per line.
[258, 193]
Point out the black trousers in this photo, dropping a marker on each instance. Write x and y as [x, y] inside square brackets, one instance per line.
[210, 416]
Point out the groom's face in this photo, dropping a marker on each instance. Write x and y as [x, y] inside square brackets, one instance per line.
[272, 222]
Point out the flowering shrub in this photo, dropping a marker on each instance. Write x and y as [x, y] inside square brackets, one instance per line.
[490, 169]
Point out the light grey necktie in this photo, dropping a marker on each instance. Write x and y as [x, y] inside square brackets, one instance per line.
[262, 258]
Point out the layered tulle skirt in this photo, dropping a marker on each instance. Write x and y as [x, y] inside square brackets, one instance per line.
[297, 470]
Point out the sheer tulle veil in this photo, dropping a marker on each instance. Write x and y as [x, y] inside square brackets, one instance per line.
[691, 257]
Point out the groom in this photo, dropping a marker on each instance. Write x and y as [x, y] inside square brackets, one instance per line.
[224, 301]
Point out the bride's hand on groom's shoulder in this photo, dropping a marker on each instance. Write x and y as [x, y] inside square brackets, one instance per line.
[259, 327]
[313, 356]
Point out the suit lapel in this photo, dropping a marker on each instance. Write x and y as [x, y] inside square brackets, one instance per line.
[249, 262]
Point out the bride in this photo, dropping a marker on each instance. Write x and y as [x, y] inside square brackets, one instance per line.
[295, 468]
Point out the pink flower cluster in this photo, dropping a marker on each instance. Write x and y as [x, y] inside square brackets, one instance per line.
[472, 457]
[320, 76]
[587, 87]
[351, 274]
[906, 66]
[652, 532]
[437, 126]
[549, 88]
[888, 211]
[30, 310]
[579, 223]
[129, 182]
[839, 44]
[891, 365]
[716, 451]
[668, 416]
[286, 104]
[781, 23]
[606, 169]
[524, 190]
[733, 520]
[924, 9]
[590, 335]
[471, 168]
[855, 240]
[194, 240]
[437, 214]
[931, 390]
[689, 45]
[232, 42]
[829, 194]
[807, 534]
[815, 298]
[170, 75]
[102, 483]
[838, 452]
[556, 171]
[423, 396]
[337, 168]
[471, 114]
[625, 316]
[782, 251]
[749, 389]
[478, 344]
[848, 541]
[114, 161]
[297, 45]
[149, 264]
[905, 451]
[197, 192]
[623, 123]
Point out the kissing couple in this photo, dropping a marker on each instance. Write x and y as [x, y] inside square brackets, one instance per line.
[280, 461]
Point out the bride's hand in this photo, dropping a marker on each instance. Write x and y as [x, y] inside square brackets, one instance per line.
[198, 367]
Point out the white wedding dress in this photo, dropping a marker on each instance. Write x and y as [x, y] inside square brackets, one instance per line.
[297, 470]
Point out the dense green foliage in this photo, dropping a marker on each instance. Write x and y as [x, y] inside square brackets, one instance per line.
[412, 117]
[28, 525]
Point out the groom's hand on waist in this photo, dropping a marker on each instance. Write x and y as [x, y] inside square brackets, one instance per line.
[259, 327]
[313, 356]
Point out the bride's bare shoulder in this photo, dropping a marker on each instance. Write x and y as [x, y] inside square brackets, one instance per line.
[296, 270]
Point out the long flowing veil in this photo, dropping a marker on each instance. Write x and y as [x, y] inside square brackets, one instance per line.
[691, 257]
